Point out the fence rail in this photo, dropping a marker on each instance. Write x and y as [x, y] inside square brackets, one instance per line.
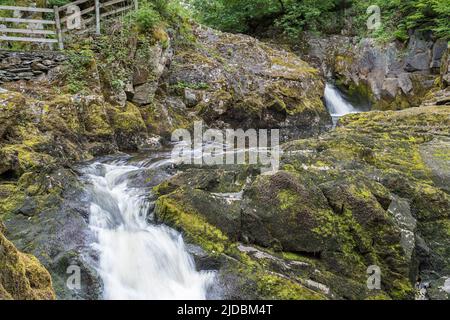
[31, 9]
[20, 20]
[66, 19]
[35, 27]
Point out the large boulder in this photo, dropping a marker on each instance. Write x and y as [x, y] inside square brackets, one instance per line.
[54, 229]
[237, 81]
[283, 211]
[363, 195]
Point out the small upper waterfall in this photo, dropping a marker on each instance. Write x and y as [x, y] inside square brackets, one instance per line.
[137, 260]
[336, 103]
[339, 104]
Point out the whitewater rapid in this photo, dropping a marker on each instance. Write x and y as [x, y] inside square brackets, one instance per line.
[137, 260]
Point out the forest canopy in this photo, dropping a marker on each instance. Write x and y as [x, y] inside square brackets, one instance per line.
[293, 17]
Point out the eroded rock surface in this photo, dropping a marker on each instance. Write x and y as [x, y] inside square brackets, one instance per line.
[361, 195]
[394, 76]
[21, 275]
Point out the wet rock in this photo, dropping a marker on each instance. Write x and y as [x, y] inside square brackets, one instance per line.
[58, 235]
[439, 49]
[401, 211]
[338, 207]
[143, 94]
[28, 208]
[434, 154]
[282, 211]
[129, 127]
[365, 67]
[22, 277]
[248, 85]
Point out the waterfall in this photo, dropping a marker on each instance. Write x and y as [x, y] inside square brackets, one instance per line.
[137, 260]
[336, 104]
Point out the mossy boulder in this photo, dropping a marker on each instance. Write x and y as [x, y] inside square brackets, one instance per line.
[45, 216]
[240, 276]
[42, 137]
[239, 82]
[283, 210]
[361, 195]
[22, 277]
[129, 127]
[166, 114]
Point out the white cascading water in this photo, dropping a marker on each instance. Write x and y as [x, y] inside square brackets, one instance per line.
[336, 104]
[137, 260]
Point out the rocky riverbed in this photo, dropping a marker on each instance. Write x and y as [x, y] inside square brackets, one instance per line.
[373, 191]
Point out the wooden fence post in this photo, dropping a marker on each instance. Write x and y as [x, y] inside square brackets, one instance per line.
[97, 17]
[136, 5]
[58, 28]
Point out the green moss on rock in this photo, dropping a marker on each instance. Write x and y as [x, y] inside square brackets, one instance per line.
[194, 226]
[22, 277]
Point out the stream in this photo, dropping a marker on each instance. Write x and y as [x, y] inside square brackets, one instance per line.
[137, 259]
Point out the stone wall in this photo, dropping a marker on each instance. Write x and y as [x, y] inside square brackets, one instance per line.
[16, 66]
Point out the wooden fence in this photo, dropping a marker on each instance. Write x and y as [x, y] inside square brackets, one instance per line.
[80, 16]
[35, 26]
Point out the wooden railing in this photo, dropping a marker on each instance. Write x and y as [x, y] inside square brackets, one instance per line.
[34, 27]
[65, 19]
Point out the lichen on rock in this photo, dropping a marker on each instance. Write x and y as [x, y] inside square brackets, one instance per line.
[22, 277]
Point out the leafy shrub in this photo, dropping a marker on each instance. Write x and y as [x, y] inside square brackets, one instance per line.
[145, 18]
[328, 16]
[58, 3]
[78, 65]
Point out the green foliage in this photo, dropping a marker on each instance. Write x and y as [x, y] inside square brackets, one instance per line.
[236, 15]
[195, 86]
[312, 15]
[117, 84]
[79, 63]
[429, 15]
[51, 3]
[146, 17]
[290, 16]
[170, 10]
[293, 17]
[398, 17]
[152, 13]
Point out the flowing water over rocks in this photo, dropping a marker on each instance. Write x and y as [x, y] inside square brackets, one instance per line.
[336, 104]
[341, 102]
[137, 259]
